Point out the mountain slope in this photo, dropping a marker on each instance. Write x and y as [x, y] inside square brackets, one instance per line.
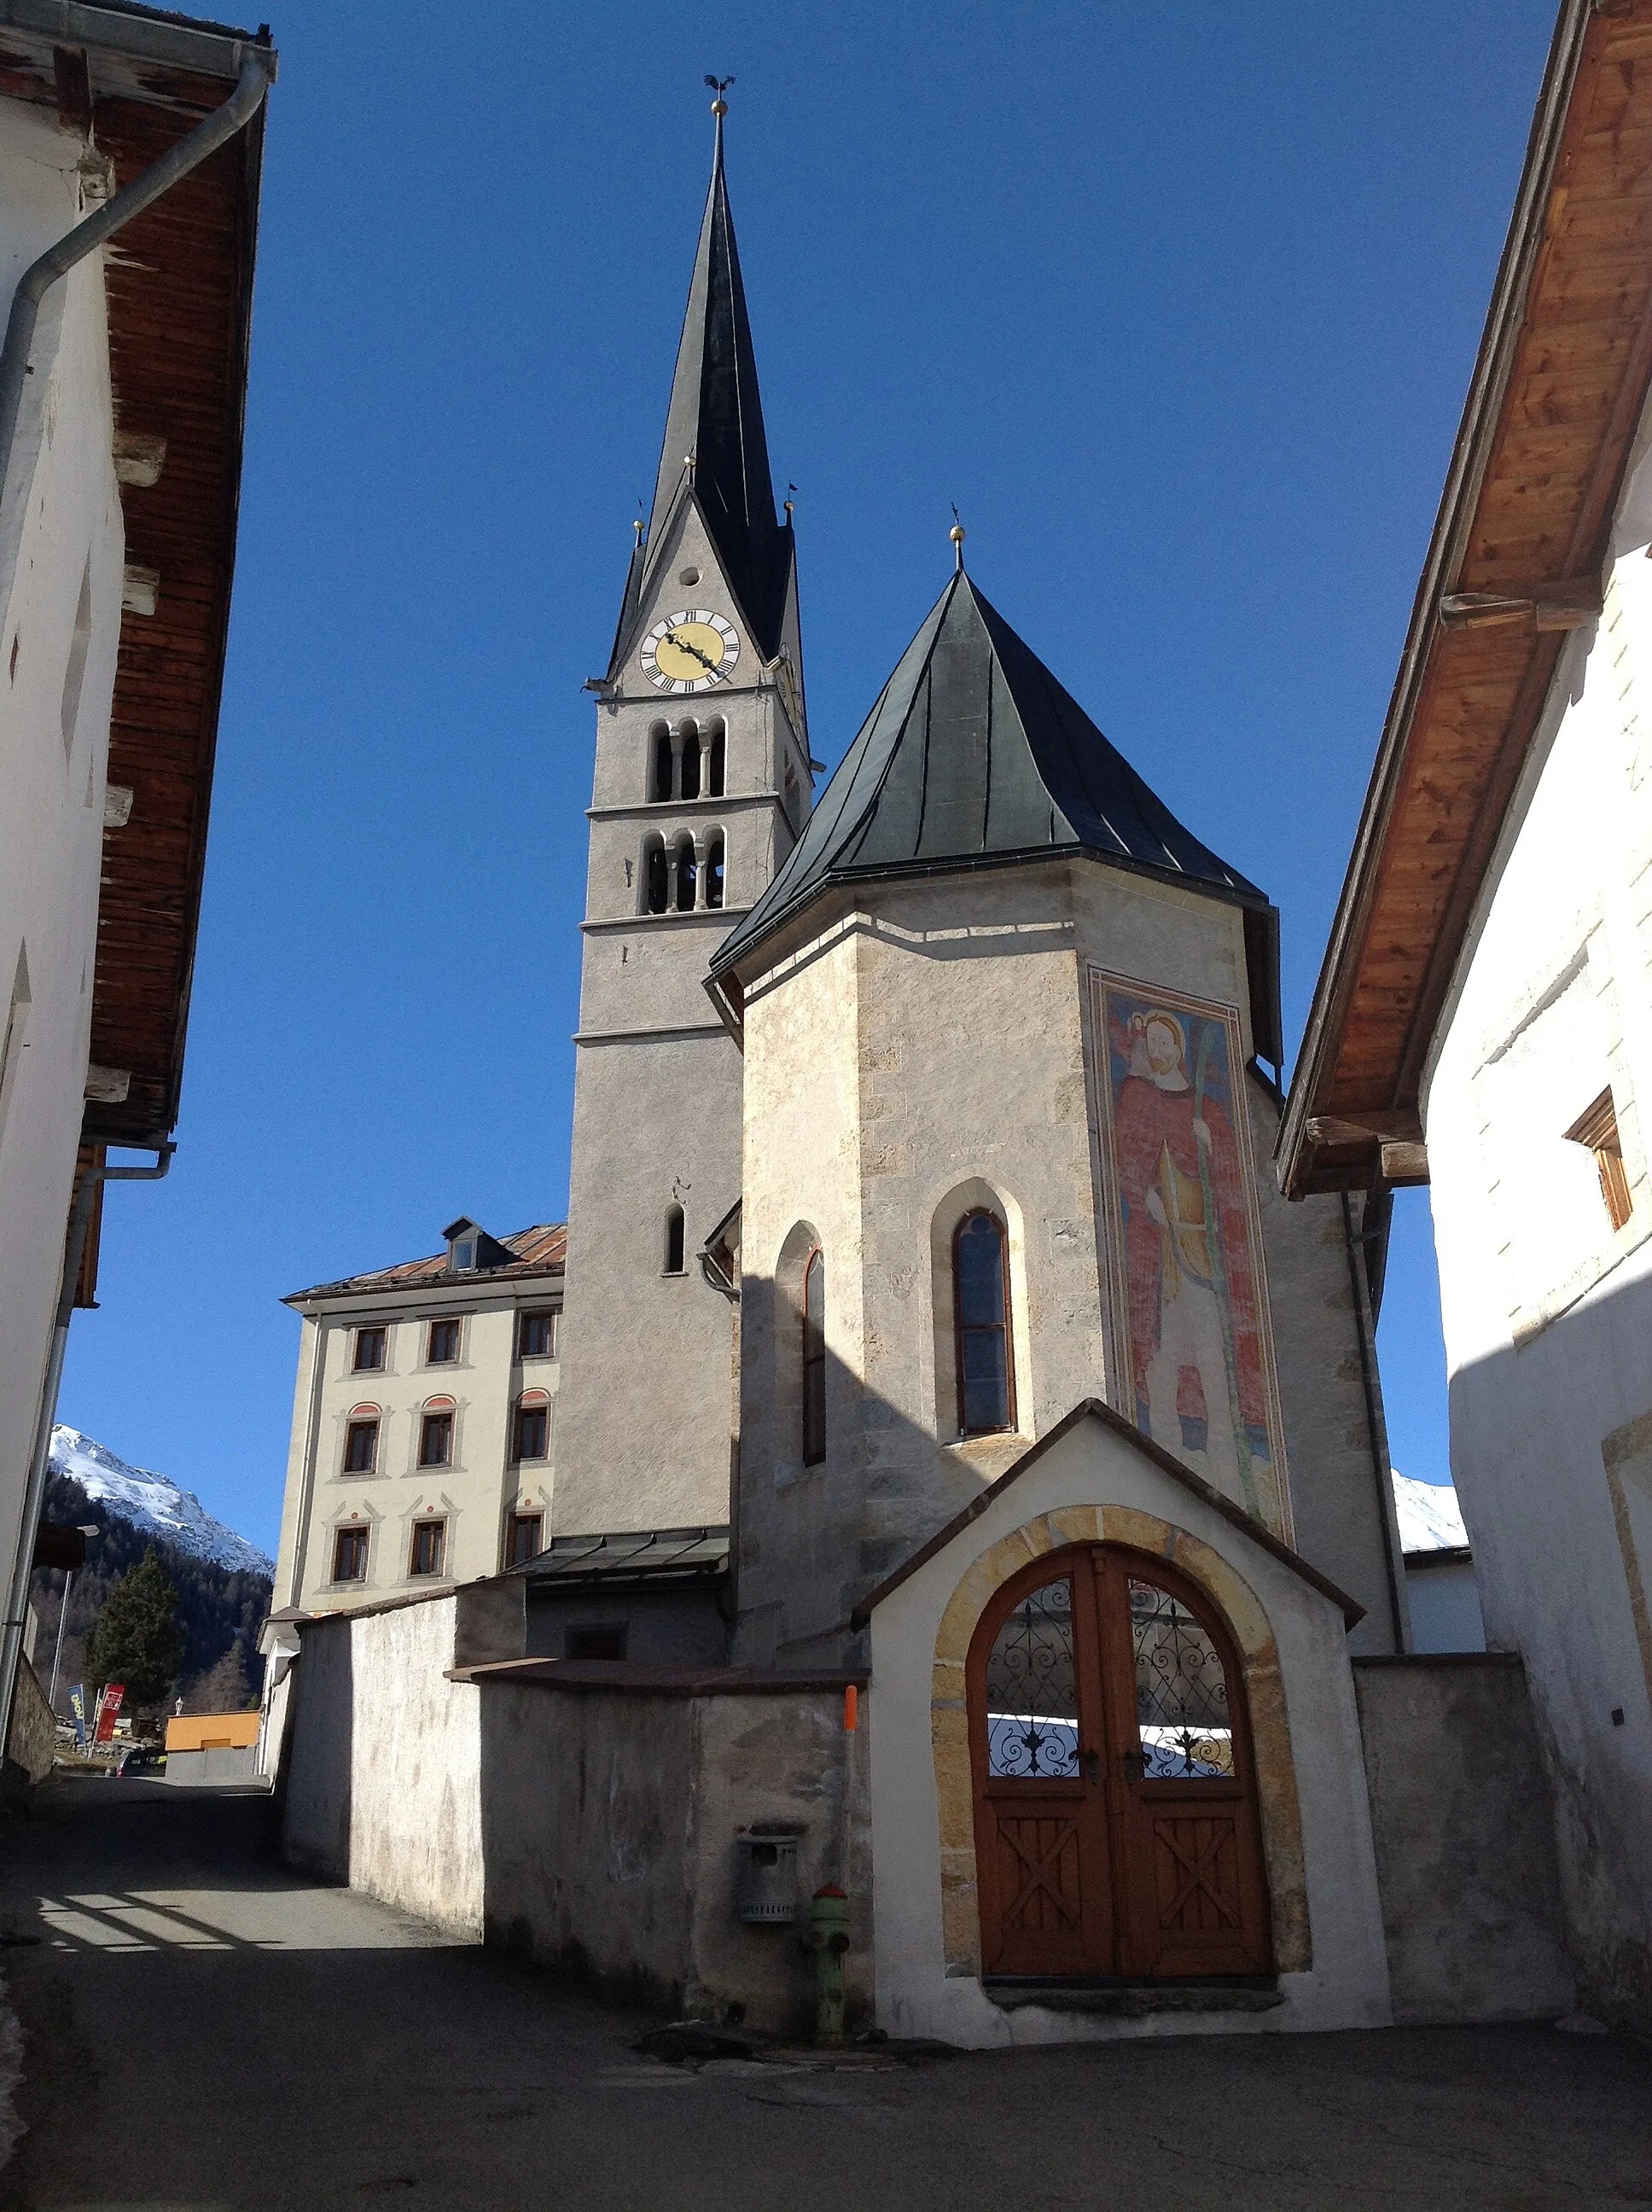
[153, 1505]
[1431, 1519]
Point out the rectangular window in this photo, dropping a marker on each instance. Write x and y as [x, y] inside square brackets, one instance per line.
[443, 1348]
[369, 1350]
[533, 1432]
[1597, 1128]
[360, 1447]
[522, 1538]
[349, 1555]
[604, 1642]
[536, 1336]
[436, 1440]
[430, 1547]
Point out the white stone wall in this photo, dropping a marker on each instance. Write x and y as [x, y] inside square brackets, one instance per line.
[475, 1497]
[60, 530]
[383, 1765]
[1547, 1308]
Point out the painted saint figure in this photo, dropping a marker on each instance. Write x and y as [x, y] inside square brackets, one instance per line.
[1196, 1353]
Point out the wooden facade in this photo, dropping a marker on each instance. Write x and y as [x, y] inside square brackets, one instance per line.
[1517, 561]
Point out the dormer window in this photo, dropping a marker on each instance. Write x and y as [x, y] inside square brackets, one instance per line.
[470, 1247]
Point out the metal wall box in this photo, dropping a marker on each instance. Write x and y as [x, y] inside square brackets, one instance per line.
[765, 1876]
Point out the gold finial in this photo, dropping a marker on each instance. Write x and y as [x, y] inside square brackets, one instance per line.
[719, 85]
[956, 534]
[786, 501]
[636, 525]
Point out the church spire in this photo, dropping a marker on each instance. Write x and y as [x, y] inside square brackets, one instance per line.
[714, 426]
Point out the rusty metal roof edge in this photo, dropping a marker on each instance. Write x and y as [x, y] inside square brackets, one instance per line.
[145, 34]
[1470, 452]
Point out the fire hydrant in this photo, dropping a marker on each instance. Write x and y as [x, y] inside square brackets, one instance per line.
[828, 1939]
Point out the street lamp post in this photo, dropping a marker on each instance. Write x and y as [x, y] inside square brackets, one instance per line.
[84, 1528]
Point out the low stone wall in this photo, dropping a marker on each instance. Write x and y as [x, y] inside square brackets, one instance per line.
[381, 1773]
[612, 1802]
[32, 1739]
[1464, 1830]
[584, 1815]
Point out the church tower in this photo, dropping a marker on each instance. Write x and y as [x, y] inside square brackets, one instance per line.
[702, 785]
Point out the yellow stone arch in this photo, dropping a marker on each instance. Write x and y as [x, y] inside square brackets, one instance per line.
[1276, 1773]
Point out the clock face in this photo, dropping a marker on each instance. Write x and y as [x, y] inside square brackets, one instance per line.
[690, 652]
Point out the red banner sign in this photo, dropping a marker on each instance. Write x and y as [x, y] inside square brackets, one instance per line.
[108, 1710]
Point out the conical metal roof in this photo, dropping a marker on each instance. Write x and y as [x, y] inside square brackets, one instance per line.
[974, 755]
[715, 418]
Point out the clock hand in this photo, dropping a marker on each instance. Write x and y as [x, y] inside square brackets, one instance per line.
[676, 637]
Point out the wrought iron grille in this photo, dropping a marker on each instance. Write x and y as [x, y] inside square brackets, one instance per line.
[1032, 1689]
[1182, 1689]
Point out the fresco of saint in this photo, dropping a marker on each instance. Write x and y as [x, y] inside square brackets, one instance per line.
[1197, 1355]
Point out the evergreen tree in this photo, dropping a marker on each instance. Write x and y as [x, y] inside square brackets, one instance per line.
[223, 1688]
[137, 1639]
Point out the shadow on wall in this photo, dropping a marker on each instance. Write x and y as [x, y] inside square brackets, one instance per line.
[1552, 1455]
[313, 1789]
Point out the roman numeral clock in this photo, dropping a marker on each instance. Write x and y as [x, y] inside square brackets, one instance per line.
[693, 651]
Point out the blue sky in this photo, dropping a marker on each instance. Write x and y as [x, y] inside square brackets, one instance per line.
[1179, 304]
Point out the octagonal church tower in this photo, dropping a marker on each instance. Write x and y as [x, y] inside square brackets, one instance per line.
[1005, 1142]
[703, 783]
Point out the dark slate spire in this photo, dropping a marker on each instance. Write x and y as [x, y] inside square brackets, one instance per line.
[716, 416]
[975, 756]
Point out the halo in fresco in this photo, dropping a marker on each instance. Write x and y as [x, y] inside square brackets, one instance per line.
[1192, 1348]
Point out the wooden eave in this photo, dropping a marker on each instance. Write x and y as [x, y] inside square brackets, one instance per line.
[179, 283]
[1516, 562]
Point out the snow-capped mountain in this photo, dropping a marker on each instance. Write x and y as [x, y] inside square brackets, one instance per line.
[153, 1504]
[1431, 1519]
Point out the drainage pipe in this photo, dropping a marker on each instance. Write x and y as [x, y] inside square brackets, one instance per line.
[257, 72]
[11, 1643]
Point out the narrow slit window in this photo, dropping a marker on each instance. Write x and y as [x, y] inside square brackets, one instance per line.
[80, 644]
[715, 873]
[662, 764]
[814, 1359]
[980, 1297]
[674, 1245]
[690, 764]
[1596, 1129]
[714, 763]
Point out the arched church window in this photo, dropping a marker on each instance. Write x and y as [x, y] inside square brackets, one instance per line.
[691, 762]
[673, 1240]
[981, 1305]
[656, 876]
[684, 873]
[661, 787]
[716, 750]
[814, 1359]
[715, 872]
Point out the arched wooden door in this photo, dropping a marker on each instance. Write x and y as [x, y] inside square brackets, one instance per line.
[1116, 1827]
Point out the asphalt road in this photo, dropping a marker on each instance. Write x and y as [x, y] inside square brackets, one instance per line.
[204, 2029]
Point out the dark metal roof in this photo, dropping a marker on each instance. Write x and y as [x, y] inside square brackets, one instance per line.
[716, 415]
[652, 1556]
[973, 755]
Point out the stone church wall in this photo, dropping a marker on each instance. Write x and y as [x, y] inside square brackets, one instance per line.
[1464, 1829]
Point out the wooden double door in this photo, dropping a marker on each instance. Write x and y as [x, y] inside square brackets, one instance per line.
[1116, 1824]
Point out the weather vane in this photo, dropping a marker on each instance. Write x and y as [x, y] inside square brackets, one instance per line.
[720, 85]
[956, 534]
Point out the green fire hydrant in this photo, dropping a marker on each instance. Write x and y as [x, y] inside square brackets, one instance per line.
[828, 1941]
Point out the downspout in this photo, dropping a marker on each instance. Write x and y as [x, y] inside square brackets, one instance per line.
[258, 71]
[11, 1645]
[1376, 1428]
